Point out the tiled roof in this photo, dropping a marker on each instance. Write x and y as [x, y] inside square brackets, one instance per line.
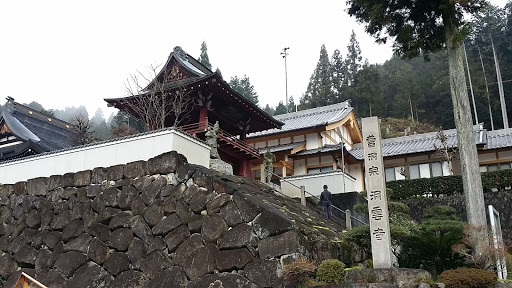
[417, 143]
[308, 118]
[499, 139]
[323, 149]
[47, 133]
[279, 148]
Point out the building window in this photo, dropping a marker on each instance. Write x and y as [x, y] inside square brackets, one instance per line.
[319, 169]
[394, 173]
[494, 167]
[427, 170]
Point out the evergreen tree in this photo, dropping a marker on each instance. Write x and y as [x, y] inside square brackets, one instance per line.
[269, 110]
[339, 71]
[218, 72]
[99, 127]
[429, 28]
[353, 61]
[244, 87]
[203, 58]
[319, 90]
[291, 105]
[280, 109]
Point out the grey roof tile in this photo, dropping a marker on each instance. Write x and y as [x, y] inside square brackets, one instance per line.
[417, 143]
[308, 118]
[283, 147]
[499, 139]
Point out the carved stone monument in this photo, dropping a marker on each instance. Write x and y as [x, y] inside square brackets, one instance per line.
[211, 138]
[268, 163]
[377, 200]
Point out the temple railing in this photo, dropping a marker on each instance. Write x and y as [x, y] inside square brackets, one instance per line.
[25, 281]
[200, 127]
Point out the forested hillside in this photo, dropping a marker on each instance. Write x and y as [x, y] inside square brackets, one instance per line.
[418, 88]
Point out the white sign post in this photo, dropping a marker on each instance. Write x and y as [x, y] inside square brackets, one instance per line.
[376, 194]
[501, 265]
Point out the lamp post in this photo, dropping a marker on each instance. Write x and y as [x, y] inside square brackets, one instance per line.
[284, 54]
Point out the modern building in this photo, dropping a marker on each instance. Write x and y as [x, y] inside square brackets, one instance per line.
[308, 151]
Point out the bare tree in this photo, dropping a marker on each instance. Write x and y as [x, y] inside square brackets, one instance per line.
[152, 99]
[83, 130]
[445, 151]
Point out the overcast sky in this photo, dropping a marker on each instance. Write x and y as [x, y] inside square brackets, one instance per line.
[71, 53]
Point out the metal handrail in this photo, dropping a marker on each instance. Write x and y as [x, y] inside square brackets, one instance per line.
[282, 179]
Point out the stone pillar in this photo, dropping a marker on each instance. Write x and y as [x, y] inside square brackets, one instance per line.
[263, 177]
[348, 219]
[303, 195]
[377, 200]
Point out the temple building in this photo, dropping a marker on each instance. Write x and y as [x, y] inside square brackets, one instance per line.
[209, 99]
[25, 132]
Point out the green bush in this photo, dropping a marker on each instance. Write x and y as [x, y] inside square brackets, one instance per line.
[446, 185]
[331, 271]
[468, 278]
[508, 261]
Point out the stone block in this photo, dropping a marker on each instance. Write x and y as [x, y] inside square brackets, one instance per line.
[121, 239]
[176, 237]
[68, 180]
[207, 256]
[52, 278]
[7, 265]
[270, 223]
[286, 243]
[74, 229]
[229, 260]
[98, 175]
[155, 263]
[52, 238]
[196, 197]
[121, 220]
[6, 190]
[188, 247]
[141, 229]
[117, 262]
[247, 206]
[82, 178]
[115, 173]
[165, 163]
[153, 214]
[37, 186]
[263, 273]
[20, 188]
[98, 251]
[80, 244]
[407, 278]
[214, 205]
[167, 224]
[222, 280]
[136, 252]
[195, 223]
[131, 279]
[135, 169]
[214, 228]
[231, 214]
[237, 237]
[110, 196]
[91, 275]
[151, 192]
[69, 262]
[101, 231]
[183, 211]
[172, 277]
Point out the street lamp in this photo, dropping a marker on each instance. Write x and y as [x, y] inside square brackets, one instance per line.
[284, 54]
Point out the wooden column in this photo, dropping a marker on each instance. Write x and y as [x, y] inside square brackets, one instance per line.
[203, 115]
[244, 169]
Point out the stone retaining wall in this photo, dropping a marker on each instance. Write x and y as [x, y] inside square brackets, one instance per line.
[160, 223]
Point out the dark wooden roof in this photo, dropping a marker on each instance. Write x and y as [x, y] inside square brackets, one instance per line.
[37, 132]
[227, 106]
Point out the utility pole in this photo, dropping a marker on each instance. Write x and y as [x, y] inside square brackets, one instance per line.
[284, 53]
[500, 87]
[486, 88]
[470, 83]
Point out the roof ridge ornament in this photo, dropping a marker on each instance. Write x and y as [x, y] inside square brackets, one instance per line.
[9, 106]
[180, 53]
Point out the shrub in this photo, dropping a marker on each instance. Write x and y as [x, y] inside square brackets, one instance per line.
[331, 271]
[298, 271]
[446, 185]
[468, 278]
[508, 261]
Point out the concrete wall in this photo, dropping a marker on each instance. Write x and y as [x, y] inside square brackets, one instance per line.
[106, 154]
[314, 184]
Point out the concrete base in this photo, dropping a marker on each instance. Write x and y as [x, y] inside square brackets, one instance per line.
[221, 166]
[403, 277]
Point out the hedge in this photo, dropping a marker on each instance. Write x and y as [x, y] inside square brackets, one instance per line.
[446, 185]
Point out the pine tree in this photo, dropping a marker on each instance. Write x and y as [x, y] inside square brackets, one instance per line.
[339, 71]
[218, 72]
[203, 58]
[280, 109]
[319, 91]
[244, 87]
[269, 110]
[353, 61]
[291, 105]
